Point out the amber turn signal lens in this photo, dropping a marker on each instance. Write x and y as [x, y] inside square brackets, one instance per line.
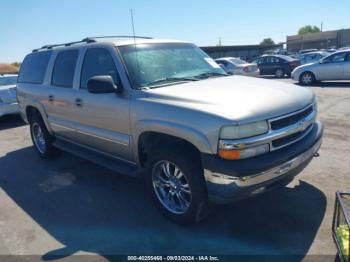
[229, 154]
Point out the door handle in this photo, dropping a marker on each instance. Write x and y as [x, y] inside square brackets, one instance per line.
[51, 98]
[78, 102]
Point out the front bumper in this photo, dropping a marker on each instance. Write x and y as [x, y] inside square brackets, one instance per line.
[229, 181]
[9, 108]
[295, 75]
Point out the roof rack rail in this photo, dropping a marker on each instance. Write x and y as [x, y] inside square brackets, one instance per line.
[88, 39]
[85, 40]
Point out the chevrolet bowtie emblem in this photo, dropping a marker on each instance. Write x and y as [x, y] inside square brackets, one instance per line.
[303, 125]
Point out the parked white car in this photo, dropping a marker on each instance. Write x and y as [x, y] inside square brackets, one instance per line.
[333, 67]
[312, 57]
[8, 100]
[237, 66]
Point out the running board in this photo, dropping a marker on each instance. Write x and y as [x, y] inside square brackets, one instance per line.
[100, 159]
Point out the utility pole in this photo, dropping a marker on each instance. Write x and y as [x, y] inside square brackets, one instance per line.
[219, 43]
[321, 26]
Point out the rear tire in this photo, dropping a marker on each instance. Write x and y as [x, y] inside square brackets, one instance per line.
[307, 78]
[42, 139]
[176, 184]
[279, 73]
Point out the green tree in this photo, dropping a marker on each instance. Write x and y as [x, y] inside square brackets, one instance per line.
[267, 41]
[16, 64]
[308, 29]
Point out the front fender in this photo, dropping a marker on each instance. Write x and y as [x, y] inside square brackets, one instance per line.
[193, 136]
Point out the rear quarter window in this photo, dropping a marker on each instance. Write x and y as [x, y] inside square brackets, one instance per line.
[34, 67]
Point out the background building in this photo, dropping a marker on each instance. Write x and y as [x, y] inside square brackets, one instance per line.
[246, 52]
[322, 40]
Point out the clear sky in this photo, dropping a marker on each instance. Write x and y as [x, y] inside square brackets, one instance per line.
[28, 24]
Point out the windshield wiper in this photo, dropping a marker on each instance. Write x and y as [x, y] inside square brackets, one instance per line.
[210, 74]
[171, 80]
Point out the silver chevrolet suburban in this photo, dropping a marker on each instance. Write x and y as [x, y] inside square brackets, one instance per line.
[165, 111]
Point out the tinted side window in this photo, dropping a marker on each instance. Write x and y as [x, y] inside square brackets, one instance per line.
[63, 71]
[339, 57]
[264, 60]
[269, 60]
[98, 61]
[273, 60]
[336, 58]
[223, 62]
[33, 68]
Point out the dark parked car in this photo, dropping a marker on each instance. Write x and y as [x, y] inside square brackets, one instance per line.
[278, 65]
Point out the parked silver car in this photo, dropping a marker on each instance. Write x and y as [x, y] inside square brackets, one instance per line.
[312, 57]
[164, 111]
[237, 66]
[333, 67]
[8, 100]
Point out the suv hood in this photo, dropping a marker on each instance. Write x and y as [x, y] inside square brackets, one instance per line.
[236, 98]
[7, 87]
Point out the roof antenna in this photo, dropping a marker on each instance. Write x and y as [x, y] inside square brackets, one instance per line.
[133, 33]
[133, 25]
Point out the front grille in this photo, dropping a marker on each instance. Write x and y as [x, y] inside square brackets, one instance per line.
[291, 119]
[284, 141]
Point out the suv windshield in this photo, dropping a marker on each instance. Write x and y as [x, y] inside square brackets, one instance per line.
[151, 65]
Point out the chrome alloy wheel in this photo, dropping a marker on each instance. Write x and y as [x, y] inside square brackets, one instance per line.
[171, 187]
[307, 79]
[38, 138]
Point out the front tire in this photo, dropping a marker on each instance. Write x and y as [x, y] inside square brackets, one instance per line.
[279, 73]
[176, 184]
[42, 140]
[307, 78]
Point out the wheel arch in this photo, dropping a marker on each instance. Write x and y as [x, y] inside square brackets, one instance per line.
[156, 133]
[149, 141]
[31, 109]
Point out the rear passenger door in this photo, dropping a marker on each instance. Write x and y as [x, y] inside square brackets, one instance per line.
[270, 65]
[102, 119]
[60, 97]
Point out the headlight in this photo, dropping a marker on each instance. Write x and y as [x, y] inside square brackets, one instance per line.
[243, 131]
[233, 154]
[229, 152]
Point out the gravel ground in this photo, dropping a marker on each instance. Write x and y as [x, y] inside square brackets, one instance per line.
[70, 206]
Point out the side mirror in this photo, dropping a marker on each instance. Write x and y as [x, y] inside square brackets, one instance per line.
[102, 85]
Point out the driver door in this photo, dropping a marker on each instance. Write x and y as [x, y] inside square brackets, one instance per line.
[103, 119]
[332, 67]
